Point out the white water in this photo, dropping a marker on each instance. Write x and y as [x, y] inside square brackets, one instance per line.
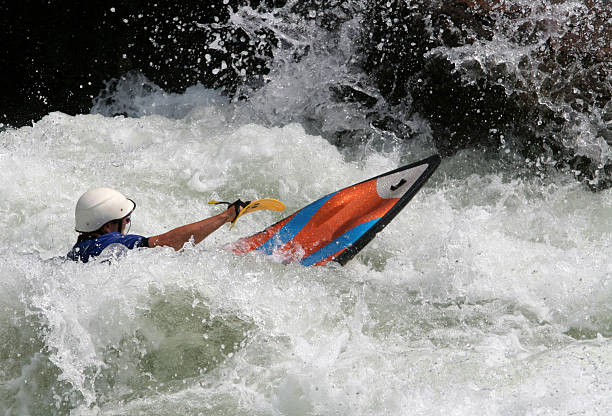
[489, 294]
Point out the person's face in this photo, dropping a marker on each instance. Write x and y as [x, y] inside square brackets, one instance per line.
[111, 227]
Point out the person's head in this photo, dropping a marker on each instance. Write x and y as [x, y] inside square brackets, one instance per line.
[102, 211]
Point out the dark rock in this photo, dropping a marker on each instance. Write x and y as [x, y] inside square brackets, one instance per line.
[349, 94]
[416, 51]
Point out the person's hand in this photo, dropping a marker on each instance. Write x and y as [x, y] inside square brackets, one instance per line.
[237, 206]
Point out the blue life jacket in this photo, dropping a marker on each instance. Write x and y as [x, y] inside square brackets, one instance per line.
[87, 249]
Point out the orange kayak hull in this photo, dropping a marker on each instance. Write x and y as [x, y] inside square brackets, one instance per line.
[337, 226]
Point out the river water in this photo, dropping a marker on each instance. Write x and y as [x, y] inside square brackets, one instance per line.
[488, 295]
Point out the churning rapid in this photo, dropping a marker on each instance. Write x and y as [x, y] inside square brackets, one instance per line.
[489, 294]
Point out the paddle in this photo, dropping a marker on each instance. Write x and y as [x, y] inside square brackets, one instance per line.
[265, 203]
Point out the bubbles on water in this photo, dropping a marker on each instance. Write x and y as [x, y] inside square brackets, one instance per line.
[133, 95]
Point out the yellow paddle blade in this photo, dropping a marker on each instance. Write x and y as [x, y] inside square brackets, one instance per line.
[266, 203]
[213, 202]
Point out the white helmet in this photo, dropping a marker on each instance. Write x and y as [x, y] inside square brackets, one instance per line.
[98, 206]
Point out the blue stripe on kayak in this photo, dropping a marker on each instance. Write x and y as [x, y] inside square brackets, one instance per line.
[339, 243]
[289, 230]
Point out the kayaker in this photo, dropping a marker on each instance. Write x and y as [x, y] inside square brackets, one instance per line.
[102, 218]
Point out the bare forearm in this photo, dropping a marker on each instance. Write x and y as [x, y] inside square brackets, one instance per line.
[177, 237]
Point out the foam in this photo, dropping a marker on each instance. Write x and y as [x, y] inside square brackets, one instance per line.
[488, 294]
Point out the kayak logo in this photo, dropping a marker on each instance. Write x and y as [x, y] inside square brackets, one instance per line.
[400, 183]
[397, 184]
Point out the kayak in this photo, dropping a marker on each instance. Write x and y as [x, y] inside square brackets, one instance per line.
[339, 225]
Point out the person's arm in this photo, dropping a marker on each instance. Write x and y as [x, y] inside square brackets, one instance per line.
[177, 237]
